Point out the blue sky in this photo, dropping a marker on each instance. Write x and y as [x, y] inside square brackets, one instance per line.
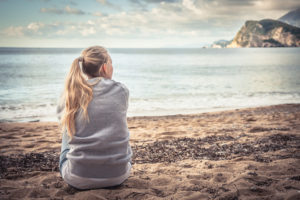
[129, 23]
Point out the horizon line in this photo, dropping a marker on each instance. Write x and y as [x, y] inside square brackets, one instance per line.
[8, 47]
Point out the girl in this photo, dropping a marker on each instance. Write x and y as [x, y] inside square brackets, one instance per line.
[95, 149]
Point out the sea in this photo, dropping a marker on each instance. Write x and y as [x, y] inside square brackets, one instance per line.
[165, 81]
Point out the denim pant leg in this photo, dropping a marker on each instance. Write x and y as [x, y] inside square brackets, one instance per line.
[64, 149]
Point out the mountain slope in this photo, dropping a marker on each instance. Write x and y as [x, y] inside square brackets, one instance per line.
[266, 33]
[292, 18]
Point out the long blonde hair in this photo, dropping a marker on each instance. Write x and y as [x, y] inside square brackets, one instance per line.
[78, 93]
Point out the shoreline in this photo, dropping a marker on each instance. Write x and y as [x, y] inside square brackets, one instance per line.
[246, 153]
[215, 110]
[204, 111]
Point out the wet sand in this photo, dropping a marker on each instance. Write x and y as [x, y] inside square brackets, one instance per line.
[251, 153]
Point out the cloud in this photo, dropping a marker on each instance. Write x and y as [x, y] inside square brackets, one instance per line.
[40, 0]
[66, 10]
[180, 22]
[35, 27]
[153, 1]
[73, 3]
[88, 31]
[53, 30]
[74, 11]
[52, 10]
[103, 2]
[193, 18]
[98, 14]
[277, 4]
[109, 4]
[13, 31]
[185, 18]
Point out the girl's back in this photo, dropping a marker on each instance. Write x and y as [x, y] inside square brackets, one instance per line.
[99, 153]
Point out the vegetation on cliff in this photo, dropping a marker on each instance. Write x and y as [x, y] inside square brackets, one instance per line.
[266, 33]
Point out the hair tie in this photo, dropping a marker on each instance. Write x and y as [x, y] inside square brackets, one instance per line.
[80, 61]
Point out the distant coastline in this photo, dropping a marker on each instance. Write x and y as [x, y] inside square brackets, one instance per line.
[284, 32]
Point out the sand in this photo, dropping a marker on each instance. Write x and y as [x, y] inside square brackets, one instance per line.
[251, 153]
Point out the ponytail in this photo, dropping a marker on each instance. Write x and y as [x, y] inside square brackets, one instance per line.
[78, 94]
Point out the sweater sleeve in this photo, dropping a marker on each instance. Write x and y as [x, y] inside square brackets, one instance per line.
[60, 106]
[126, 93]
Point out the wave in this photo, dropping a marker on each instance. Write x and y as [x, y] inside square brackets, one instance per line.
[164, 105]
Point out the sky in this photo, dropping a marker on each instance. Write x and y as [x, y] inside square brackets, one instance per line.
[130, 23]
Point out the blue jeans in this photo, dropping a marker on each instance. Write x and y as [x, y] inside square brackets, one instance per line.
[65, 148]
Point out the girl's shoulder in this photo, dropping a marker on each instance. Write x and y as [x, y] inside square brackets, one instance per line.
[110, 86]
[115, 84]
[116, 87]
[122, 86]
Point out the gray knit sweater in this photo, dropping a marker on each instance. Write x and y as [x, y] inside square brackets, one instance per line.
[100, 153]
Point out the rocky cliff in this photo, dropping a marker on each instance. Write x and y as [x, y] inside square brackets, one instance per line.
[266, 33]
[220, 44]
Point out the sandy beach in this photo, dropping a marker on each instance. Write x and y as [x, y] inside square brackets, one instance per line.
[251, 153]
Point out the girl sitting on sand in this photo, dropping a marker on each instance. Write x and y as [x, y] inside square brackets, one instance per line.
[95, 149]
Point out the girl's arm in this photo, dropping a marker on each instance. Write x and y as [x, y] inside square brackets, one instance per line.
[60, 106]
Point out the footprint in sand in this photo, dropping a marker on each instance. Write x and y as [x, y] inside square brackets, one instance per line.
[8, 146]
[160, 181]
[135, 195]
[9, 137]
[27, 135]
[257, 191]
[187, 166]
[38, 193]
[19, 193]
[29, 145]
[194, 196]
[260, 181]
[220, 178]
[47, 141]
[172, 133]
[168, 135]
[194, 176]
[195, 179]
[49, 180]
[136, 183]
[204, 176]
[196, 182]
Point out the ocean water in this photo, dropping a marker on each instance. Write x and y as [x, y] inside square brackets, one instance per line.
[161, 81]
